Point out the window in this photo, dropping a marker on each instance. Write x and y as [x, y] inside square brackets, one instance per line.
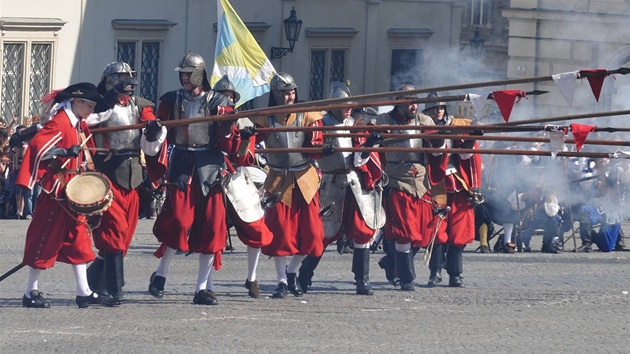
[28, 50]
[25, 77]
[479, 12]
[144, 58]
[406, 68]
[327, 65]
[330, 48]
[139, 43]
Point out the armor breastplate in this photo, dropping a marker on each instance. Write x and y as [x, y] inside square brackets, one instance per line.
[196, 134]
[338, 160]
[406, 157]
[286, 140]
[124, 139]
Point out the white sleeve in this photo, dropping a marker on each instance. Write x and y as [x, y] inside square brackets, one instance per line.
[151, 148]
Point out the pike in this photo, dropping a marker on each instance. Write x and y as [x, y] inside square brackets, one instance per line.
[331, 104]
[458, 128]
[393, 138]
[319, 150]
[568, 117]
[298, 108]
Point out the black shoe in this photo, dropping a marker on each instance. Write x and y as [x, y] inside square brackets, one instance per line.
[292, 285]
[407, 287]
[205, 297]
[511, 248]
[86, 301]
[435, 278]
[253, 287]
[485, 249]
[364, 288]
[156, 286]
[304, 282]
[281, 291]
[36, 301]
[456, 281]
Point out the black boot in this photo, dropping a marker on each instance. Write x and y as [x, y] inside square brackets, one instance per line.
[292, 285]
[388, 262]
[114, 278]
[307, 270]
[435, 265]
[361, 270]
[96, 277]
[156, 285]
[454, 266]
[405, 270]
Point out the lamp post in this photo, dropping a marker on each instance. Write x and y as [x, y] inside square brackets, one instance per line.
[292, 27]
[476, 44]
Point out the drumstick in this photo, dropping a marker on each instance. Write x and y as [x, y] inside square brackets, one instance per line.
[82, 145]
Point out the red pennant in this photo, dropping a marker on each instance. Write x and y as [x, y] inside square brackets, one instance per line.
[505, 100]
[596, 81]
[580, 132]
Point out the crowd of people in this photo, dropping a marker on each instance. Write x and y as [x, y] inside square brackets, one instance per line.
[354, 186]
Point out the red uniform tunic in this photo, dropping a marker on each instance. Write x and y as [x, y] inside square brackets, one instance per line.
[190, 220]
[458, 228]
[294, 221]
[56, 233]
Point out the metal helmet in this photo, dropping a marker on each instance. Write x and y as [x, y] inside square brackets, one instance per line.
[224, 84]
[407, 87]
[280, 83]
[110, 77]
[338, 90]
[431, 105]
[194, 64]
[406, 110]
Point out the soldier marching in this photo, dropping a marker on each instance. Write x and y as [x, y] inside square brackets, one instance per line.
[418, 191]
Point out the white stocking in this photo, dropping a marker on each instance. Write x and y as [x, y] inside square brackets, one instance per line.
[252, 262]
[165, 261]
[80, 276]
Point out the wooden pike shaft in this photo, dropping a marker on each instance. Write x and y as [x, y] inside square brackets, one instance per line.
[456, 128]
[522, 139]
[318, 150]
[279, 110]
[570, 117]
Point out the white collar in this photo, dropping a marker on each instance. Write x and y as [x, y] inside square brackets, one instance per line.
[67, 106]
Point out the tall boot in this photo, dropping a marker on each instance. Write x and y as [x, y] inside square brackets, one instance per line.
[307, 270]
[361, 270]
[388, 262]
[405, 270]
[435, 265]
[114, 278]
[96, 277]
[454, 266]
[483, 238]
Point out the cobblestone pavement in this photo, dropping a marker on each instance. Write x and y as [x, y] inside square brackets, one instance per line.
[528, 302]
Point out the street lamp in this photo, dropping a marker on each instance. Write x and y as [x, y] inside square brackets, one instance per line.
[476, 45]
[292, 27]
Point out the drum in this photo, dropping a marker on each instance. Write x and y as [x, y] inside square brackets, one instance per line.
[257, 174]
[89, 193]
